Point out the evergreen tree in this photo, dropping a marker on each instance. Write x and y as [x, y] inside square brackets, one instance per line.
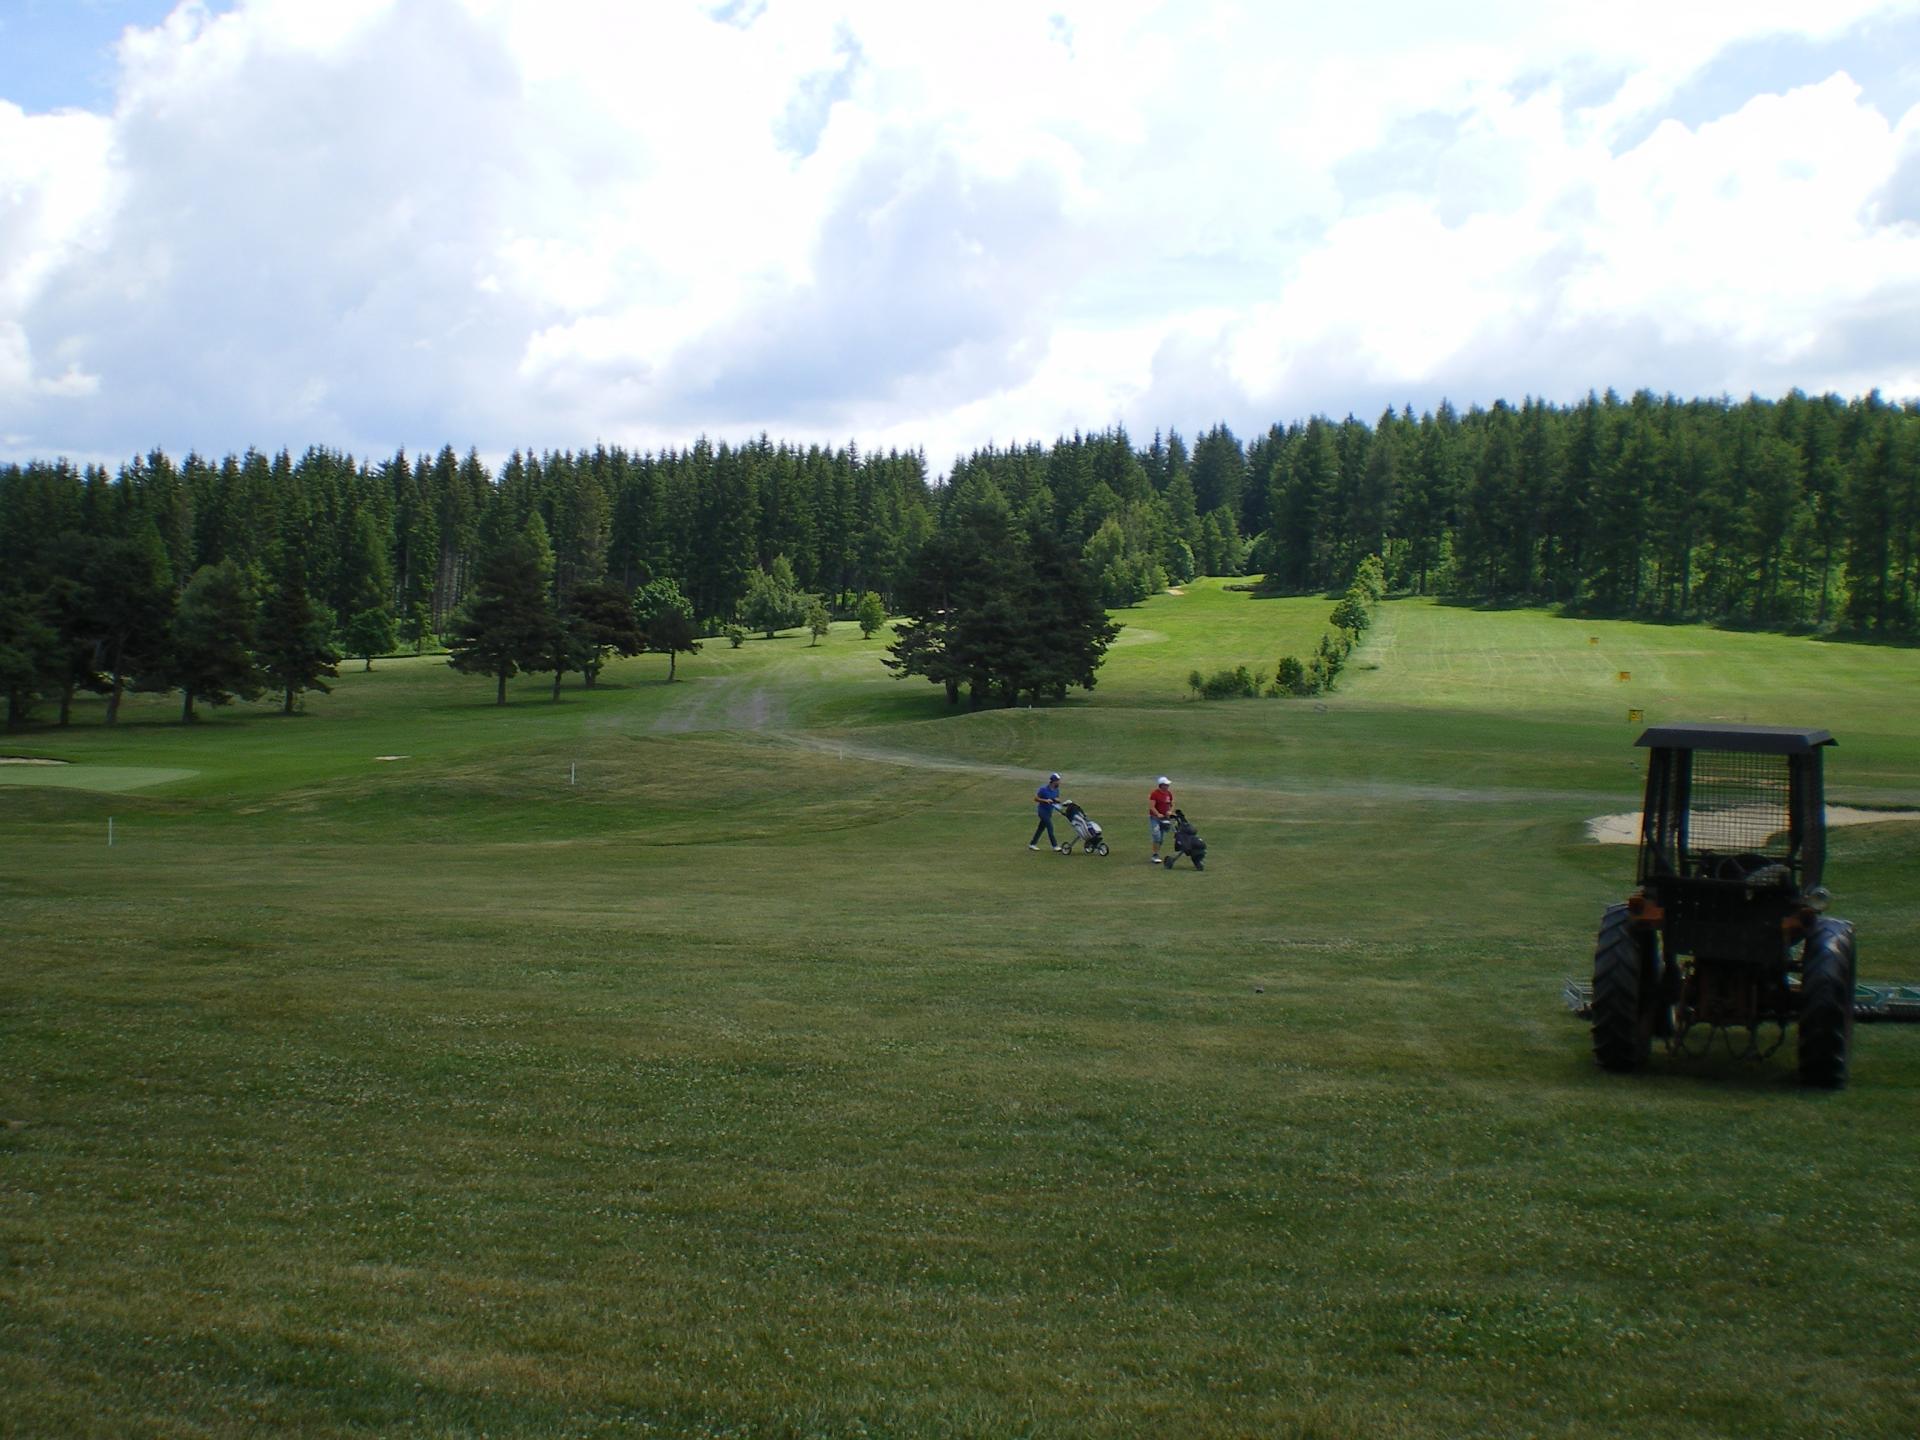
[1426, 508]
[367, 590]
[1484, 537]
[1219, 473]
[416, 625]
[131, 587]
[1870, 529]
[1184, 521]
[567, 651]
[1773, 506]
[293, 646]
[601, 617]
[946, 587]
[210, 656]
[1004, 611]
[507, 624]
[722, 514]
[1067, 624]
[1629, 483]
[417, 546]
[30, 654]
[70, 608]
[871, 614]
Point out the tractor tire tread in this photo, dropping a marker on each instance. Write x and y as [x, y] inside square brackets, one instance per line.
[1826, 1005]
[1622, 1035]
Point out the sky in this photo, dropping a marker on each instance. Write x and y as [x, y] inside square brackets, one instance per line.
[544, 224]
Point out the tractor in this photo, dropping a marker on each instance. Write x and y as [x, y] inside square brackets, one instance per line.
[1728, 931]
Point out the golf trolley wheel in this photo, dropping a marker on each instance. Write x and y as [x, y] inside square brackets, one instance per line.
[1826, 1004]
[1625, 1002]
[1099, 849]
[1067, 849]
[1166, 864]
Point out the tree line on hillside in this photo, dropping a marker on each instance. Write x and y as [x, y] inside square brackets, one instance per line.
[1797, 513]
[96, 567]
[1802, 513]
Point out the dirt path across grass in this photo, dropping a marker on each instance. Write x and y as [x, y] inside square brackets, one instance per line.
[724, 703]
[748, 704]
[1362, 790]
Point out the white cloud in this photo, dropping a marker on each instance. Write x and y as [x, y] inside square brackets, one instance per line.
[504, 222]
[56, 196]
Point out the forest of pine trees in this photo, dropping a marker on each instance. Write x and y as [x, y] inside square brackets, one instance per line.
[1801, 513]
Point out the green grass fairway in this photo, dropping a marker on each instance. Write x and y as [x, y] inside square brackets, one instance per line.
[714, 1058]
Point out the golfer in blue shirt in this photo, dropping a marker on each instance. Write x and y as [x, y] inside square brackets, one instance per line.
[1044, 799]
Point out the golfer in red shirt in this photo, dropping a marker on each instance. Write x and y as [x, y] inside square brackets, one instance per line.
[1159, 814]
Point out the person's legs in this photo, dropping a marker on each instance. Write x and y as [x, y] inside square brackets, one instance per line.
[1155, 829]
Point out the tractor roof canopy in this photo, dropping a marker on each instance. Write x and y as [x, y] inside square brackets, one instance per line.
[1751, 739]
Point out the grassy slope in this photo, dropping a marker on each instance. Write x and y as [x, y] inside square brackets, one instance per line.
[762, 1083]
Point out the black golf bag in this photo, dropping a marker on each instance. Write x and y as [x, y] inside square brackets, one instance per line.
[1187, 842]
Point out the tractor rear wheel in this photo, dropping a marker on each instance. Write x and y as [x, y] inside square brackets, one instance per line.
[1826, 1004]
[1624, 1002]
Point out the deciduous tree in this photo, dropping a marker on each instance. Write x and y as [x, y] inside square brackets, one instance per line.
[870, 614]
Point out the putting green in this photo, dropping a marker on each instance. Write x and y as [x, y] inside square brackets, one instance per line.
[111, 778]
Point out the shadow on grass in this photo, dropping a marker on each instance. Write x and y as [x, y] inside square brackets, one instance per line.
[1727, 624]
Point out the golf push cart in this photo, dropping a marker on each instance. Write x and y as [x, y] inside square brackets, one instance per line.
[1728, 930]
[1087, 833]
[1187, 842]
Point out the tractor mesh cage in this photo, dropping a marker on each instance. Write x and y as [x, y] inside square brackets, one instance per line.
[1738, 803]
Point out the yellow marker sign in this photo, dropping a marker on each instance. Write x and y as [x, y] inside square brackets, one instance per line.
[1593, 639]
[1634, 717]
[1626, 675]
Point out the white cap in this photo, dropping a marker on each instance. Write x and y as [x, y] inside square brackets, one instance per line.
[1163, 781]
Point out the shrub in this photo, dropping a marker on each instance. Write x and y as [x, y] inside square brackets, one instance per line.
[1290, 677]
[1370, 579]
[1233, 684]
[1351, 615]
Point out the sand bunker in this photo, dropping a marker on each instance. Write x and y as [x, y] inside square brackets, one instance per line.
[1625, 829]
[27, 760]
